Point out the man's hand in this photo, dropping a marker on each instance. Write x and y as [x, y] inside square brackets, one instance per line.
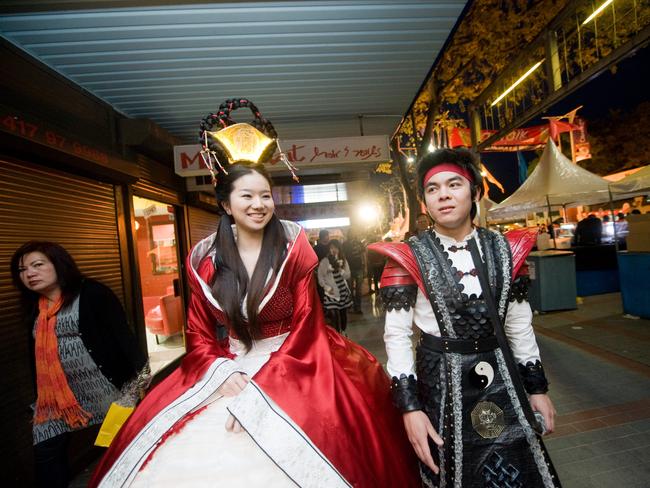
[542, 403]
[419, 429]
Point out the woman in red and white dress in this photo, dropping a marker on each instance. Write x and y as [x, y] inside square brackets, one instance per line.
[267, 395]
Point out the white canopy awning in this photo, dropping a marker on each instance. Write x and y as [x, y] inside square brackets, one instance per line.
[636, 183]
[556, 181]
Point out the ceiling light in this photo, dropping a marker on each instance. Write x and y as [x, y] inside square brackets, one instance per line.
[597, 11]
[368, 212]
[512, 87]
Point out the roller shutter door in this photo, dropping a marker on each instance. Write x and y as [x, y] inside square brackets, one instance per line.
[202, 223]
[156, 181]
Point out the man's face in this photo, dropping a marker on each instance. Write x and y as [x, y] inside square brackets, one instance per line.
[448, 198]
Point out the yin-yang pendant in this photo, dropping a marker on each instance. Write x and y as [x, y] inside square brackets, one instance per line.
[481, 375]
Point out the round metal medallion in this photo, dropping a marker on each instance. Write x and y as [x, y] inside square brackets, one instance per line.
[488, 420]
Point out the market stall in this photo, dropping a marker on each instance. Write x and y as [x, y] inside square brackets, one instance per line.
[634, 264]
[635, 184]
[555, 182]
[558, 182]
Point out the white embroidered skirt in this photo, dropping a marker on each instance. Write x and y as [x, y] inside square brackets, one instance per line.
[204, 454]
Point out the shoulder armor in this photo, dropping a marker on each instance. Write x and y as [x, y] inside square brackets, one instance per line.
[519, 289]
[398, 297]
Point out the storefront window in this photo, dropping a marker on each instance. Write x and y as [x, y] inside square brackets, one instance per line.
[164, 317]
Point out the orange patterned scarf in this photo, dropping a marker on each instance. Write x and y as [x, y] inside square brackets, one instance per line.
[55, 398]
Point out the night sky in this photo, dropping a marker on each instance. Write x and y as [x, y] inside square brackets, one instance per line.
[623, 90]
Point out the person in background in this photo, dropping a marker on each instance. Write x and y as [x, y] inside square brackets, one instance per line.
[355, 252]
[84, 353]
[322, 246]
[607, 236]
[589, 231]
[321, 249]
[555, 227]
[621, 224]
[333, 273]
[376, 264]
[422, 222]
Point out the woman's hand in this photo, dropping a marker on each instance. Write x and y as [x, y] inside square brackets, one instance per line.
[232, 425]
[235, 383]
[233, 386]
[419, 429]
[542, 403]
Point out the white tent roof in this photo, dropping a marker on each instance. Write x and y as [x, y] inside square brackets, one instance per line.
[555, 180]
[638, 182]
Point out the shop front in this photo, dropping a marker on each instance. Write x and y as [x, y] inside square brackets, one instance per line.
[68, 175]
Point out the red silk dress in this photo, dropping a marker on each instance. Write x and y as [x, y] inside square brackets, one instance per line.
[332, 394]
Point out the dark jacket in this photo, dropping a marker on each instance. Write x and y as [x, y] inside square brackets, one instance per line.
[321, 250]
[106, 334]
[589, 231]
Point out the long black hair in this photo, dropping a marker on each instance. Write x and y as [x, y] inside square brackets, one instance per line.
[460, 157]
[231, 284]
[334, 261]
[69, 278]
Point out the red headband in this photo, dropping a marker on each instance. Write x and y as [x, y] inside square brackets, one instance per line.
[454, 168]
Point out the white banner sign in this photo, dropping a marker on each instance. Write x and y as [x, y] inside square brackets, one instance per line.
[308, 153]
[199, 183]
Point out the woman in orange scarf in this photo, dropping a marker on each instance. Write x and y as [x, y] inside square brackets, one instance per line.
[85, 356]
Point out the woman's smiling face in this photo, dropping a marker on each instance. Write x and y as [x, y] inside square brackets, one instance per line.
[250, 203]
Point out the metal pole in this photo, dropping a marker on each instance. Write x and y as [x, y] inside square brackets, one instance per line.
[550, 220]
[573, 147]
[611, 212]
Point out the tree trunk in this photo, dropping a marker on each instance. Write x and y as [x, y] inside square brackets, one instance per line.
[407, 185]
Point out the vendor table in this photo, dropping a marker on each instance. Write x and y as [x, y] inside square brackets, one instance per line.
[634, 271]
[596, 270]
[553, 280]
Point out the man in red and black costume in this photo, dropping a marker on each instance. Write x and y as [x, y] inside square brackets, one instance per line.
[474, 399]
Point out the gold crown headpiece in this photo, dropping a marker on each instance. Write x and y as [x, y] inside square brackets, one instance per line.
[232, 143]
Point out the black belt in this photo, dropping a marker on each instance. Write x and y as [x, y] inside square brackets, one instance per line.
[461, 346]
